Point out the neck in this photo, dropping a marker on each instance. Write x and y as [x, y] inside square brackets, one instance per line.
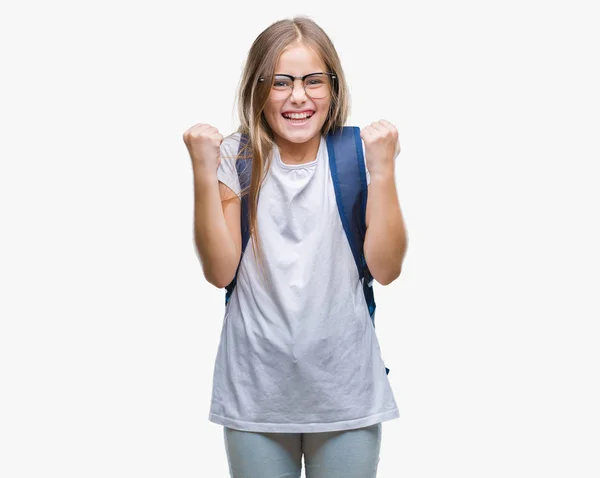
[298, 153]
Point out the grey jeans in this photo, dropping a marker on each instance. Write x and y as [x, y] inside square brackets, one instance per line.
[341, 454]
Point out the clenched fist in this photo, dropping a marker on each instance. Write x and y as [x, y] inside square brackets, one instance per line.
[381, 147]
[203, 142]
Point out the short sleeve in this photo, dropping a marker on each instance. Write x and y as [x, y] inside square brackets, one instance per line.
[227, 171]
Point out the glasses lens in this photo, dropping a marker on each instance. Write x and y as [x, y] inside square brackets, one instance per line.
[316, 86]
[282, 83]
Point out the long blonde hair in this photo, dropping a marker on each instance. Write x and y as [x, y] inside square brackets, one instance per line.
[252, 97]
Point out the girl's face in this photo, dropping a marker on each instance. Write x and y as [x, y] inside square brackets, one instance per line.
[297, 61]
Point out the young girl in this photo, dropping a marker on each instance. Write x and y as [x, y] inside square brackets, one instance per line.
[298, 369]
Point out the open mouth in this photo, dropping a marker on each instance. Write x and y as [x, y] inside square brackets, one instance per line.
[297, 118]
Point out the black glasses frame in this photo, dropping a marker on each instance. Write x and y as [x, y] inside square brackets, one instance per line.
[294, 78]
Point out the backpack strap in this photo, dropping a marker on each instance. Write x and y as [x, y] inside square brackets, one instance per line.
[349, 177]
[348, 172]
[244, 171]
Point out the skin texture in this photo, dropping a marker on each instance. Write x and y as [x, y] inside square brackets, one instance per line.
[297, 144]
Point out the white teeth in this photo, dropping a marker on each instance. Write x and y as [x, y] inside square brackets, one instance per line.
[297, 116]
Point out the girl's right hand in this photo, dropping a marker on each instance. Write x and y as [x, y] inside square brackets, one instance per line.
[203, 142]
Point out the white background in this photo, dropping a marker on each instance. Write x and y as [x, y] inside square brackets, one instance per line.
[108, 328]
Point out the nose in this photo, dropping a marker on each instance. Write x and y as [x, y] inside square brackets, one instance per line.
[298, 93]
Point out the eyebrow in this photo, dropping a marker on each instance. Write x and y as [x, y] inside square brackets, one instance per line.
[289, 74]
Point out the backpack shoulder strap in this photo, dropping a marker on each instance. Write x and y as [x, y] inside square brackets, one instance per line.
[348, 173]
[243, 166]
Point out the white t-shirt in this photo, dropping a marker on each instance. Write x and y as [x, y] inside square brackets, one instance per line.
[301, 354]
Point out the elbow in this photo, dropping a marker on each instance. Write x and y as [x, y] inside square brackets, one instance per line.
[219, 280]
[219, 270]
[391, 277]
[211, 280]
[394, 273]
[223, 284]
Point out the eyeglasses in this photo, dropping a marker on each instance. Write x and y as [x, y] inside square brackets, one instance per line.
[316, 85]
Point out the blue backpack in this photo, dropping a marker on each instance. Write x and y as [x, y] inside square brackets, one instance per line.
[349, 177]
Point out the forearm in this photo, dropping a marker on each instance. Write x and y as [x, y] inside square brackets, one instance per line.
[386, 239]
[213, 240]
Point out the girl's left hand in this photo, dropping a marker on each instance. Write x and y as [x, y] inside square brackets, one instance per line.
[381, 147]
